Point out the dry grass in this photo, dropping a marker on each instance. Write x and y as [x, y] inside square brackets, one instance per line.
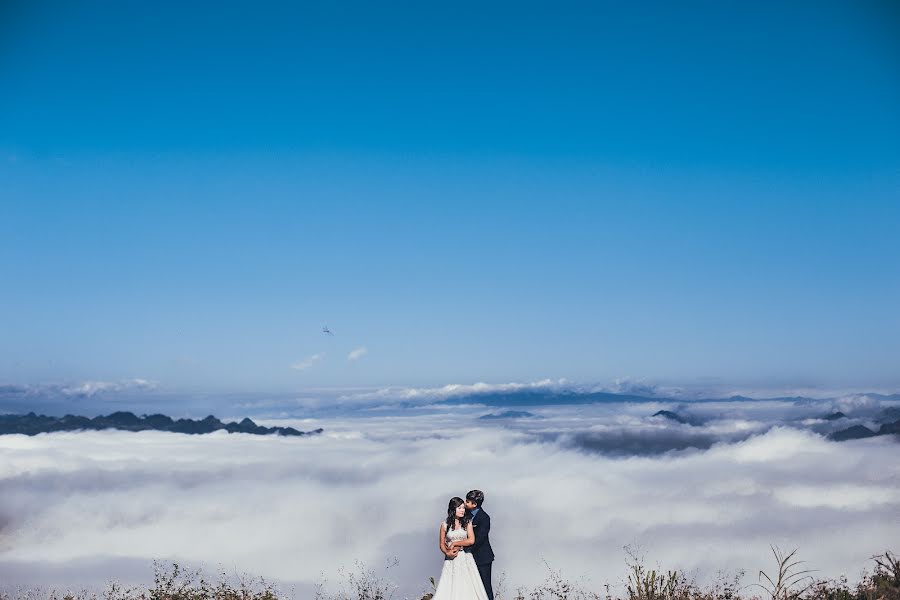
[788, 577]
[786, 581]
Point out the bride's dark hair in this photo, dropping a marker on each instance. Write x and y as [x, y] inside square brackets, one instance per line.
[451, 514]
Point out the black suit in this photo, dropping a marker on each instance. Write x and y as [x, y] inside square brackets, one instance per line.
[481, 550]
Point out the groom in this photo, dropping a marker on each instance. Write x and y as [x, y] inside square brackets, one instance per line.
[481, 550]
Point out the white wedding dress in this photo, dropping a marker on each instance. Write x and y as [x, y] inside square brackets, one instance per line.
[460, 579]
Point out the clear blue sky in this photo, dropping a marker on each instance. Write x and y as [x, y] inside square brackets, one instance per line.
[682, 192]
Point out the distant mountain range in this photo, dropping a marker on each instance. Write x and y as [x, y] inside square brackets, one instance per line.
[508, 414]
[542, 397]
[574, 396]
[32, 424]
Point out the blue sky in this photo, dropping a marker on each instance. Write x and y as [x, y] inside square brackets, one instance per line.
[685, 194]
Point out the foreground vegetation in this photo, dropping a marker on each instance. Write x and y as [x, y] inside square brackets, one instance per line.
[787, 580]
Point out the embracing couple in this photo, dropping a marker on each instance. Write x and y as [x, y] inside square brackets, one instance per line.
[465, 542]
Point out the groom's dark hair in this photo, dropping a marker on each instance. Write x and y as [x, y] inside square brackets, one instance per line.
[476, 496]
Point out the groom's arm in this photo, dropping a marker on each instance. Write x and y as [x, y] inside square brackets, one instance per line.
[481, 533]
[470, 538]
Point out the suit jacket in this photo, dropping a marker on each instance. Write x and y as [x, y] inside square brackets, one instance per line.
[481, 550]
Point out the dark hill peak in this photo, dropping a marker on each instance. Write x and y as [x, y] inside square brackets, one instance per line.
[668, 414]
[121, 414]
[856, 432]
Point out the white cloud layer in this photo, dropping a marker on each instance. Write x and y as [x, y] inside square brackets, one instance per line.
[91, 388]
[97, 505]
[357, 353]
[79, 389]
[307, 363]
[453, 390]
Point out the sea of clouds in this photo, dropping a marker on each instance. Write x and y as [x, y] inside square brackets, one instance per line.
[569, 487]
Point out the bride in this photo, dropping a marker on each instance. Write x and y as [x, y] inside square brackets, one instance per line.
[459, 577]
